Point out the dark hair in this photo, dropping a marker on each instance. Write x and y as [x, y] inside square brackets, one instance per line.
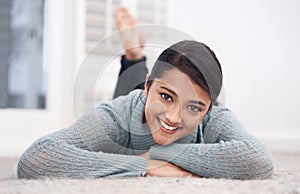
[196, 60]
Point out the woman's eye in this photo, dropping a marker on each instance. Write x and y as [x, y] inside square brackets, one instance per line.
[194, 108]
[166, 97]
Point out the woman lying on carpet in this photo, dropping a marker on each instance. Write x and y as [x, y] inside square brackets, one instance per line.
[173, 127]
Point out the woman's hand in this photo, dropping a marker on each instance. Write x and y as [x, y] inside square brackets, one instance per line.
[164, 169]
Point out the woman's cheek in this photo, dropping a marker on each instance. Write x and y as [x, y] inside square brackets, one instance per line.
[192, 122]
[154, 108]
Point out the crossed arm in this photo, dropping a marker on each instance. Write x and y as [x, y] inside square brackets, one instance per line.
[85, 150]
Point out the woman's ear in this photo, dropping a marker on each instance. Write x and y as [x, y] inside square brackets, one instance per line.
[146, 85]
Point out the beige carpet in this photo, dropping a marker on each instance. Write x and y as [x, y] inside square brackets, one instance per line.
[286, 180]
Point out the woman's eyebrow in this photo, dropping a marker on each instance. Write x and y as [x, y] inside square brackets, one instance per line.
[174, 93]
[198, 102]
[169, 90]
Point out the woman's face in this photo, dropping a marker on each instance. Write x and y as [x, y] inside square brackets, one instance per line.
[175, 106]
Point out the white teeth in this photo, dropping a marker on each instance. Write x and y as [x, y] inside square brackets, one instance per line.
[167, 126]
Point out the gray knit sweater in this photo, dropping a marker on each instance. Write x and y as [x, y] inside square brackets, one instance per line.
[106, 143]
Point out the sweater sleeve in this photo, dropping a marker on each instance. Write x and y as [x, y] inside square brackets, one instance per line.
[228, 152]
[132, 76]
[89, 148]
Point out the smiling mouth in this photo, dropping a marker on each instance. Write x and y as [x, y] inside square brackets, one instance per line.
[166, 126]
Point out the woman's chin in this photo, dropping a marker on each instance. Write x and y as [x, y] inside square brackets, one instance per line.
[163, 136]
[161, 140]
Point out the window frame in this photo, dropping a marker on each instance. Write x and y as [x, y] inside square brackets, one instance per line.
[63, 52]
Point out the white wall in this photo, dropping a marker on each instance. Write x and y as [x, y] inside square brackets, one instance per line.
[258, 44]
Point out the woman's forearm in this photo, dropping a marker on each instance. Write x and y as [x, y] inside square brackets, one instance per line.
[233, 159]
[49, 157]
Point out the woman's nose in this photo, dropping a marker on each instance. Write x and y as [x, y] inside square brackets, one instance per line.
[174, 114]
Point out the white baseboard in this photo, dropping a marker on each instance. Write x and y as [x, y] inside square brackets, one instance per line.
[282, 144]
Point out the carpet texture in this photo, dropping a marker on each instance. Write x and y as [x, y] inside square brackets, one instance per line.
[286, 180]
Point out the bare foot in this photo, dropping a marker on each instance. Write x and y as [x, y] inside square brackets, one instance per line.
[133, 41]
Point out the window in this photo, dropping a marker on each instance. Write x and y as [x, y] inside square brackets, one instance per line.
[21, 51]
[100, 21]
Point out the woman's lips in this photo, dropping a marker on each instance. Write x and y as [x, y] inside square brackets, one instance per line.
[167, 128]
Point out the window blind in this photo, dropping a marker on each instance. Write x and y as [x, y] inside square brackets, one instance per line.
[100, 22]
